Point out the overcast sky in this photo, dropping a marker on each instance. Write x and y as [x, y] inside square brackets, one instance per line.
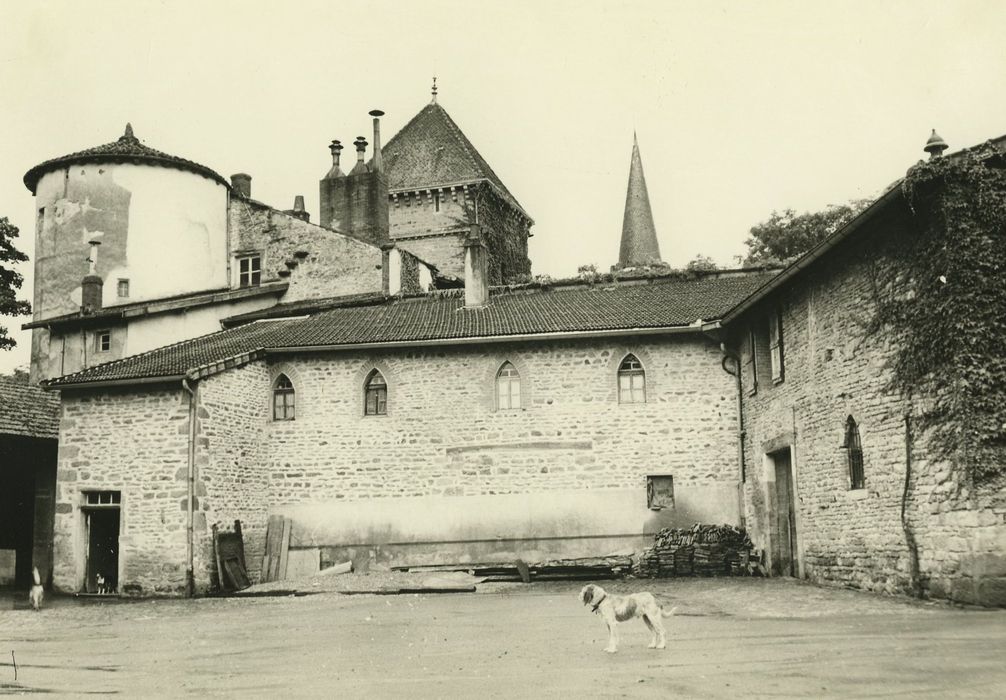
[740, 107]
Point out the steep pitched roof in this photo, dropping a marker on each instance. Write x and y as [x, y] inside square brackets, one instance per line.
[671, 303]
[27, 410]
[432, 151]
[126, 149]
[639, 235]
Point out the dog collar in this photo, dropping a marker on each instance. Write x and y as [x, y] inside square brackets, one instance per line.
[598, 603]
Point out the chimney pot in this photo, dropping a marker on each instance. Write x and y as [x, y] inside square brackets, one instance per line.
[378, 162]
[935, 145]
[241, 183]
[298, 203]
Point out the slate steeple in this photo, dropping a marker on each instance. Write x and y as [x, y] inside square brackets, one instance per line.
[639, 235]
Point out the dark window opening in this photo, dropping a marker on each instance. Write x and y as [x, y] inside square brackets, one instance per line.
[250, 271]
[103, 341]
[659, 491]
[854, 452]
[375, 395]
[436, 201]
[283, 399]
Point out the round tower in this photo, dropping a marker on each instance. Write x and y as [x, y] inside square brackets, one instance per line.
[161, 222]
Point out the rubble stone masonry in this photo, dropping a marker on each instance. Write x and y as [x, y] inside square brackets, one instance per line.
[836, 366]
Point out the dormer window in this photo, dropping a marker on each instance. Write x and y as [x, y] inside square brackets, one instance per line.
[250, 270]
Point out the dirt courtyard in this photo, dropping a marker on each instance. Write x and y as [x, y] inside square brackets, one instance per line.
[730, 638]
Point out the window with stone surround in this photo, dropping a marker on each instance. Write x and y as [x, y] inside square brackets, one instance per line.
[659, 491]
[250, 270]
[283, 399]
[102, 341]
[775, 345]
[751, 362]
[375, 395]
[631, 381]
[854, 453]
[122, 288]
[507, 388]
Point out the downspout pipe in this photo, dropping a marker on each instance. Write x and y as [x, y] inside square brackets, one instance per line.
[190, 579]
[729, 359]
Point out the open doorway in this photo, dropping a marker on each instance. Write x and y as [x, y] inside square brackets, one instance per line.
[783, 519]
[101, 527]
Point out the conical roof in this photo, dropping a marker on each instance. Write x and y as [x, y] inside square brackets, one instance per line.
[431, 151]
[126, 149]
[639, 235]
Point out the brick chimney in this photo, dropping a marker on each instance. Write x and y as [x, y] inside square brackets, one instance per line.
[357, 204]
[476, 270]
[92, 285]
[241, 183]
[298, 210]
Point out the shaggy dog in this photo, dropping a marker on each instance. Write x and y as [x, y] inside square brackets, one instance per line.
[617, 608]
[36, 592]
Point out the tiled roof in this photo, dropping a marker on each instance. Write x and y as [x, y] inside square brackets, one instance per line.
[27, 410]
[669, 302]
[431, 151]
[126, 149]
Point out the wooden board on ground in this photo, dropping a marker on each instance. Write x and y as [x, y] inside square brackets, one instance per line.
[273, 545]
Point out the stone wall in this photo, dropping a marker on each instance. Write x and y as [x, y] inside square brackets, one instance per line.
[334, 264]
[445, 466]
[231, 449]
[135, 442]
[836, 366]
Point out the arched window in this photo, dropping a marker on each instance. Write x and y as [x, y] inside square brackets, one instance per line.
[631, 381]
[507, 387]
[283, 399]
[854, 452]
[375, 395]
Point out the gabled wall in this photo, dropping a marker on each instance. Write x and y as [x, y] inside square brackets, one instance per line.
[836, 366]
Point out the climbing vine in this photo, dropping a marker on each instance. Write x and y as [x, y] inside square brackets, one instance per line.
[945, 300]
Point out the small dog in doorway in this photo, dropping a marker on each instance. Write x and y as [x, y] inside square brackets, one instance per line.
[36, 593]
[102, 586]
[617, 608]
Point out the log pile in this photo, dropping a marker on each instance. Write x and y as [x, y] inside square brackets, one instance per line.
[702, 550]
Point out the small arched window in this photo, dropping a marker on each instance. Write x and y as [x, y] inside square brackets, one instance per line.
[283, 399]
[631, 381]
[507, 387]
[375, 395]
[854, 452]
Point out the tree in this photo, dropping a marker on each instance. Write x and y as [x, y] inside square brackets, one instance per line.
[701, 263]
[787, 235]
[10, 280]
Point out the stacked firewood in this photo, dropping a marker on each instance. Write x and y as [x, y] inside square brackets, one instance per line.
[702, 550]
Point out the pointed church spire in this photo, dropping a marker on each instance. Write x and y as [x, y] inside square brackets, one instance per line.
[639, 235]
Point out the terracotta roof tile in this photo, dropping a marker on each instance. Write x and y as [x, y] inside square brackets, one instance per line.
[27, 410]
[675, 301]
[431, 150]
[126, 149]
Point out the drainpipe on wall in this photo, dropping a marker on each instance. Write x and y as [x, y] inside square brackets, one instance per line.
[729, 357]
[906, 525]
[190, 579]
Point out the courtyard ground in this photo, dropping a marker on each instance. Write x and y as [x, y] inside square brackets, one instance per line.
[731, 638]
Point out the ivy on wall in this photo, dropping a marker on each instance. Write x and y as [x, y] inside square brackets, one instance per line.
[945, 301]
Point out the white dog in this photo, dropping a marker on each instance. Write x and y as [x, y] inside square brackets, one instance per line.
[36, 593]
[617, 608]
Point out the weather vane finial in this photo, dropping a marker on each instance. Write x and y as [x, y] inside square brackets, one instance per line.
[434, 91]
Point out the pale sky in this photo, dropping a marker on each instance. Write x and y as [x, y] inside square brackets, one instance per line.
[740, 107]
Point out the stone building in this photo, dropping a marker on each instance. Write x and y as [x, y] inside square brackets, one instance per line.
[136, 248]
[390, 419]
